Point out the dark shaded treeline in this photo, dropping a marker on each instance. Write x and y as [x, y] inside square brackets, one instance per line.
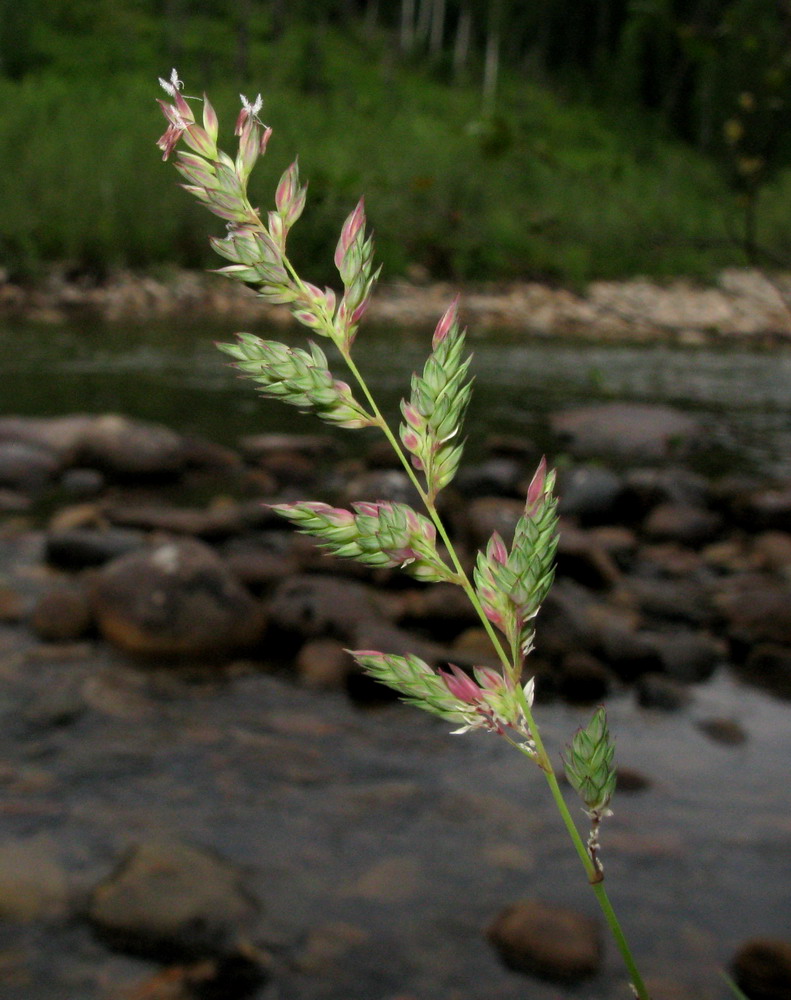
[485, 132]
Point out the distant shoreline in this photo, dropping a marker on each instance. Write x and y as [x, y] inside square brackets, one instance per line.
[741, 306]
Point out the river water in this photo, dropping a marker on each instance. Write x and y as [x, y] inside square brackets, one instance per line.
[379, 821]
[174, 374]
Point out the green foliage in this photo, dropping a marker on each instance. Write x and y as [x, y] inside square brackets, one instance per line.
[548, 189]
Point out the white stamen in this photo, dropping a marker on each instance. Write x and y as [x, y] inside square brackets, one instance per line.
[173, 85]
[255, 107]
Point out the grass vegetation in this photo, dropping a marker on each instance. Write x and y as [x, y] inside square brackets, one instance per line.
[548, 187]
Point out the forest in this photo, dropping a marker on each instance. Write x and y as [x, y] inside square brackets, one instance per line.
[562, 140]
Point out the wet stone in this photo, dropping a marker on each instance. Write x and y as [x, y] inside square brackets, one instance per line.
[768, 666]
[626, 431]
[589, 493]
[547, 941]
[488, 514]
[62, 614]
[687, 655]
[583, 678]
[725, 731]
[682, 523]
[33, 883]
[128, 448]
[79, 548]
[663, 693]
[323, 664]
[173, 900]
[176, 599]
[26, 468]
[762, 969]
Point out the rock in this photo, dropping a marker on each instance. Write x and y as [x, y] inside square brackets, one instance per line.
[673, 601]
[442, 610]
[80, 548]
[682, 523]
[220, 520]
[657, 691]
[547, 941]
[644, 488]
[762, 968]
[725, 731]
[13, 605]
[501, 477]
[173, 901]
[671, 559]
[82, 483]
[772, 551]
[59, 704]
[323, 664]
[768, 666]
[626, 431]
[765, 510]
[258, 446]
[33, 883]
[381, 484]
[488, 514]
[317, 606]
[627, 652]
[62, 614]
[132, 448]
[328, 946]
[177, 599]
[61, 436]
[757, 609]
[26, 468]
[583, 679]
[631, 781]
[581, 558]
[564, 623]
[589, 493]
[686, 655]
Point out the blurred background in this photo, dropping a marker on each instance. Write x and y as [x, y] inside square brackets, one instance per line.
[201, 798]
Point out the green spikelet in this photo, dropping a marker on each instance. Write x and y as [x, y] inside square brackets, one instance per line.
[589, 764]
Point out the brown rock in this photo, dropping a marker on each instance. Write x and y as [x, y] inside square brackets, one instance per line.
[130, 448]
[176, 599]
[581, 558]
[62, 614]
[625, 430]
[26, 468]
[762, 968]
[488, 514]
[547, 941]
[678, 522]
[323, 664]
[726, 731]
[171, 900]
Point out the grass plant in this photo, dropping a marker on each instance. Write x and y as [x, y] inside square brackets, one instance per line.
[510, 579]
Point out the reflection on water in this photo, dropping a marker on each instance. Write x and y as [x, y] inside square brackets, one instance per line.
[175, 375]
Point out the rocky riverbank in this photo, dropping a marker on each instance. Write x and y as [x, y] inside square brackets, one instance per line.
[742, 304]
[129, 552]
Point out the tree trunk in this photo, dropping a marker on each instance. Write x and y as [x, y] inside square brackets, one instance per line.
[407, 35]
[491, 68]
[461, 47]
[243, 38]
[437, 27]
[423, 21]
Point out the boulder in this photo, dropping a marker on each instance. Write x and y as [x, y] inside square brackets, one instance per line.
[768, 666]
[26, 468]
[685, 654]
[589, 493]
[132, 448]
[488, 514]
[33, 882]
[80, 548]
[171, 900]
[59, 435]
[62, 613]
[664, 693]
[318, 606]
[626, 431]
[681, 522]
[176, 599]
[323, 664]
[762, 968]
[547, 941]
